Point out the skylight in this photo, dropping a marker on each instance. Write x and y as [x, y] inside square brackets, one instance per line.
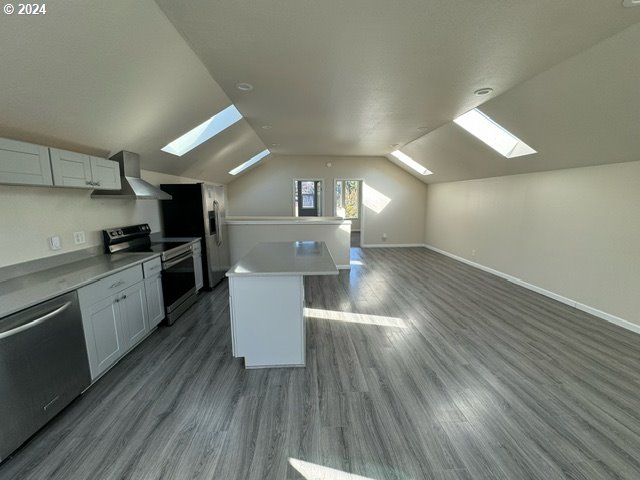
[204, 131]
[410, 162]
[482, 127]
[252, 161]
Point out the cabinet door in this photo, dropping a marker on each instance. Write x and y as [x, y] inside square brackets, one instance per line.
[106, 344]
[24, 163]
[155, 300]
[133, 308]
[105, 173]
[71, 169]
[197, 267]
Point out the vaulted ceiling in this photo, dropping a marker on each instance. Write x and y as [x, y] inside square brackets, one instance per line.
[330, 78]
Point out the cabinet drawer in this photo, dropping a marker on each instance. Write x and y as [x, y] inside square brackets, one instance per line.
[152, 267]
[110, 285]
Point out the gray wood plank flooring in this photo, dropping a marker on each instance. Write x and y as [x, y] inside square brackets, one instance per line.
[418, 367]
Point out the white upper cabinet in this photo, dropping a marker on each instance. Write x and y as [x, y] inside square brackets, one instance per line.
[106, 174]
[24, 163]
[72, 169]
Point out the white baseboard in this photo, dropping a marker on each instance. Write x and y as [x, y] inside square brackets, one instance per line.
[621, 322]
[392, 245]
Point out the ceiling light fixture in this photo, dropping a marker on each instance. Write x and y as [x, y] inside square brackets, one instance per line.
[481, 92]
[203, 132]
[266, 127]
[497, 137]
[252, 161]
[631, 3]
[410, 162]
[244, 87]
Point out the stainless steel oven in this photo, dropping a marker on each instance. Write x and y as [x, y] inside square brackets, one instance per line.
[178, 282]
[178, 272]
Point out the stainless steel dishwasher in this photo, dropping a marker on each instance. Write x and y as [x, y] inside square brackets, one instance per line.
[43, 367]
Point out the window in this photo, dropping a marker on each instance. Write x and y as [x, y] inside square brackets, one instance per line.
[252, 161]
[502, 141]
[203, 132]
[347, 199]
[307, 198]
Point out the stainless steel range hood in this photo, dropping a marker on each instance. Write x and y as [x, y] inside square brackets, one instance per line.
[132, 185]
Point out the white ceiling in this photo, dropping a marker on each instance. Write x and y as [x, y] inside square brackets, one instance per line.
[331, 77]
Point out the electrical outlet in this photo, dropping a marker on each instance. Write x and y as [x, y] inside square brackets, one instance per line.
[384, 237]
[79, 238]
[54, 243]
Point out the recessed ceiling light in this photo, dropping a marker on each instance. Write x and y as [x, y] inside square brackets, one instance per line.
[267, 127]
[631, 3]
[496, 136]
[410, 162]
[244, 87]
[481, 92]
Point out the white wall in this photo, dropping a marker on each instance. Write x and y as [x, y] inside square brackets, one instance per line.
[29, 215]
[573, 232]
[268, 190]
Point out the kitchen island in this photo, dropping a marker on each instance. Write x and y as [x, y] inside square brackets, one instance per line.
[266, 298]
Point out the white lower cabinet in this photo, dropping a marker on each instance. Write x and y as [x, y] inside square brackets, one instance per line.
[153, 288]
[115, 317]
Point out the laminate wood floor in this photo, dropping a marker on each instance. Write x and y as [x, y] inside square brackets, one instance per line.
[418, 367]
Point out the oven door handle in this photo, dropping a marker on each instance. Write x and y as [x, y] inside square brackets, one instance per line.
[177, 260]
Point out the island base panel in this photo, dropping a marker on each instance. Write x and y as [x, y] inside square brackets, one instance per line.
[267, 320]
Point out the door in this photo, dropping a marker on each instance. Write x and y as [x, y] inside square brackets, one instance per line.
[133, 309]
[155, 301]
[224, 261]
[24, 163]
[71, 169]
[105, 174]
[308, 198]
[108, 338]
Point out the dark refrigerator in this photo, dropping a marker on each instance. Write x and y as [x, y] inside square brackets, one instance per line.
[198, 210]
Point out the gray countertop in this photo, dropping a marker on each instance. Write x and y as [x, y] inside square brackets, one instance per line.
[27, 290]
[286, 258]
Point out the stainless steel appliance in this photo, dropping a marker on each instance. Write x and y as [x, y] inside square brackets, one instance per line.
[198, 210]
[178, 272]
[132, 186]
[43, 367]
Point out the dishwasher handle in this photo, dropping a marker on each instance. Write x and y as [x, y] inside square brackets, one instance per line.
[36, 322]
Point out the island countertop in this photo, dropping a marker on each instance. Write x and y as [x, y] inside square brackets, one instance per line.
[286, 258]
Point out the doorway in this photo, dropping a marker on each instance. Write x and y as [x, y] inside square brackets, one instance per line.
[307, 197]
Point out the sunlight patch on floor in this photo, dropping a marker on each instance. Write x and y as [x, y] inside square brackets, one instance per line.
[361, 318]
[313, 471]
